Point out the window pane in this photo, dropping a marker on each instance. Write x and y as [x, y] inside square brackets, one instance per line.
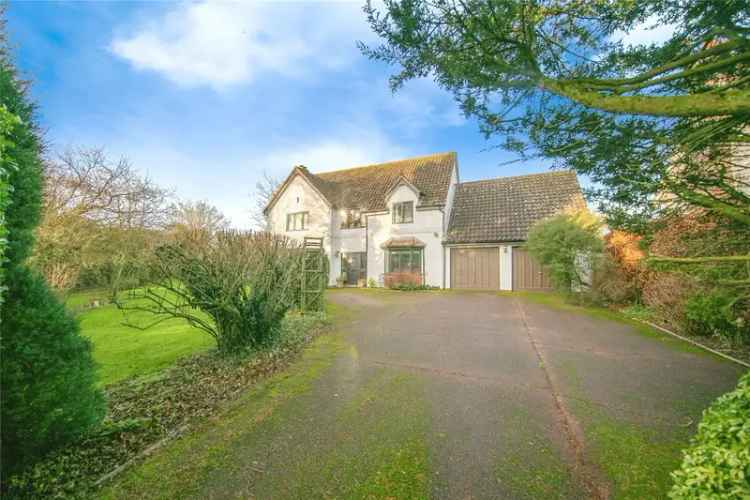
[405, 260]
[408, 211]
[397, 261]
[416, 261]
[403, 212]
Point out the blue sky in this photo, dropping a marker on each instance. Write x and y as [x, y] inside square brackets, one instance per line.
[204, 97]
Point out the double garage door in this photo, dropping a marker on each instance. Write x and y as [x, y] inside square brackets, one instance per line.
[479, 268]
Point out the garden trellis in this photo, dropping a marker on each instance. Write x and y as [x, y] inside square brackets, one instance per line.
[314, 275]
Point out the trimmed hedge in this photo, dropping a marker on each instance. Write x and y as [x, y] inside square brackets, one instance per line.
[717, 463]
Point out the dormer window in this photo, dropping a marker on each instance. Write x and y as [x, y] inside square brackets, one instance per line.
[403, 213]
[353, 219]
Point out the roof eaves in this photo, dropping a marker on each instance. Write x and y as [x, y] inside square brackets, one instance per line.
[302, 171]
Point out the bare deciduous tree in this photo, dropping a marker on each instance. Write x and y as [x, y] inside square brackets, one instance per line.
[85, 182]
[265, 188]
[196, 221]
[97, 212]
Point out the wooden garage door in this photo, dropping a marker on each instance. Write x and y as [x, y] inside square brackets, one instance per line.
[475, 268]
[527, 273]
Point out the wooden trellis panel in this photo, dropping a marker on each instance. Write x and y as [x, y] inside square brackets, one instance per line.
[314, 275]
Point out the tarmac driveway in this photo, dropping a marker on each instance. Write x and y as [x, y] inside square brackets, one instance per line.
[456, 396]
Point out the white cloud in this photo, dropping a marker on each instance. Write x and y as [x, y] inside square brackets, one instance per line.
[224, 44]
[652, 30]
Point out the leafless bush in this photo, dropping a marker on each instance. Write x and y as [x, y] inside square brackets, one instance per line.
[236, 288]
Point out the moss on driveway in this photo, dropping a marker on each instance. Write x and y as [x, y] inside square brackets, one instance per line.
[442, 395]
[294, 436]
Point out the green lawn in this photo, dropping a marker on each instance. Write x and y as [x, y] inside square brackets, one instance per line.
[123, 351]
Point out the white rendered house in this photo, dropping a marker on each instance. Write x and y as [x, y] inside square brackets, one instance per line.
[413, 217]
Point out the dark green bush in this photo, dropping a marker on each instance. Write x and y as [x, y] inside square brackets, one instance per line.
[717, 463]
[48, 378]
[716, 313]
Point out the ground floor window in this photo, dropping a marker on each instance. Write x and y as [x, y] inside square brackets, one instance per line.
[404, 260]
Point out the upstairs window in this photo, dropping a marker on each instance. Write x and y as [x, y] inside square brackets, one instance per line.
[403, 212]
[353, 219]
[296, 221]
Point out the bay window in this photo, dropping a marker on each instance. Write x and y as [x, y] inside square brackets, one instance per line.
[404, 260]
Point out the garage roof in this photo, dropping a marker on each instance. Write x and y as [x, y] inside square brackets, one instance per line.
[504, 209]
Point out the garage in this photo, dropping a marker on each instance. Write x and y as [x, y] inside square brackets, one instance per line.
[475, 267]
[527, 273]
[490, 221]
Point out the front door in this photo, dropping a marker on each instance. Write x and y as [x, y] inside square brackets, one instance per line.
[354, 266]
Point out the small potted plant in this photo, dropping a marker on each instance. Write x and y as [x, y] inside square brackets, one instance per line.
[341, 280]
[361, 283]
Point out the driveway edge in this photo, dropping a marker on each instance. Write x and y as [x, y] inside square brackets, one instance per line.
[587, 472]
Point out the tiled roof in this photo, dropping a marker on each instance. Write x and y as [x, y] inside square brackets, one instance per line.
[403, 242]
[504, 209]
[366, 188]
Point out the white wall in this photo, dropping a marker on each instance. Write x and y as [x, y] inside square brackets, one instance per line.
[427, 227]
[344, 241]
[299, 196]
[506, 267]
[449, 201]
